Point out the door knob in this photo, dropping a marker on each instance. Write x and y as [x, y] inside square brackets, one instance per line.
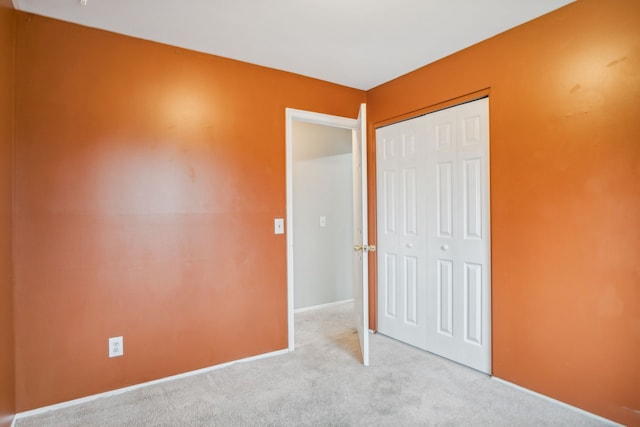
[444, 247]
[409, 245]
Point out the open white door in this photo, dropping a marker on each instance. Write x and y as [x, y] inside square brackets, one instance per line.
[360, 238]
[360, 234]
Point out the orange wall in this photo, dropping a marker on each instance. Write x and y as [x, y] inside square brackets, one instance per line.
[147, 181]
[565, 196]
[7, 367]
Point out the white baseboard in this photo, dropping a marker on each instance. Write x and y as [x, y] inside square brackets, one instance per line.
[86, 399]
[558, 402]
[318, 307]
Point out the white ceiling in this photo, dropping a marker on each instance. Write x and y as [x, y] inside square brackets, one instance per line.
[356, 43]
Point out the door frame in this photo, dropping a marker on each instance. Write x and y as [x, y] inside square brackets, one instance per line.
[292, 115]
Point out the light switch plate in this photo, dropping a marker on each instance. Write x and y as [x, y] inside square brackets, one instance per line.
[278, 224]
[323, 221]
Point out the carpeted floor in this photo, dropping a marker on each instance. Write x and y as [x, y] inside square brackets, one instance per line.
[323, 383]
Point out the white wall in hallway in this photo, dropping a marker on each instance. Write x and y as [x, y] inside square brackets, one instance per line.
[322, 187]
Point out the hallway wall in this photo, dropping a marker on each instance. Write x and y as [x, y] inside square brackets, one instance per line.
[322, 186]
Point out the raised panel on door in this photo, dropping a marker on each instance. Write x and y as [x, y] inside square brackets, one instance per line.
[410, 201]
[410, 283]
[444, 199]
[444, 300]
[389, 201]
[389, 278]
[471, 193]
[401, 233]
[472, 284]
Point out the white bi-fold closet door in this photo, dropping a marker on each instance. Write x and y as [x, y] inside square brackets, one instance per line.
[433, 233]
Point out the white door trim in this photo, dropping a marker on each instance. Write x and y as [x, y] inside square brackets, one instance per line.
[308, 117]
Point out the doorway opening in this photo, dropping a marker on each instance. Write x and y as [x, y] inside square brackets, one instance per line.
[324, 203]
[323, 217]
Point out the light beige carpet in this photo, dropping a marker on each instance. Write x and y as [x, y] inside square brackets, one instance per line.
[323, 383]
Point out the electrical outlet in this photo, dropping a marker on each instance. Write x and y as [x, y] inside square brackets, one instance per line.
[116, 347]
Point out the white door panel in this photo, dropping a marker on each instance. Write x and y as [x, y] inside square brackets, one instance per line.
[360, 234]
[401, 229]
[433, 233]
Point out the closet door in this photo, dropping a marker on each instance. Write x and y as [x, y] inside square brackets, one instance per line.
[458, 301]
[433, 233]
[402, 234]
